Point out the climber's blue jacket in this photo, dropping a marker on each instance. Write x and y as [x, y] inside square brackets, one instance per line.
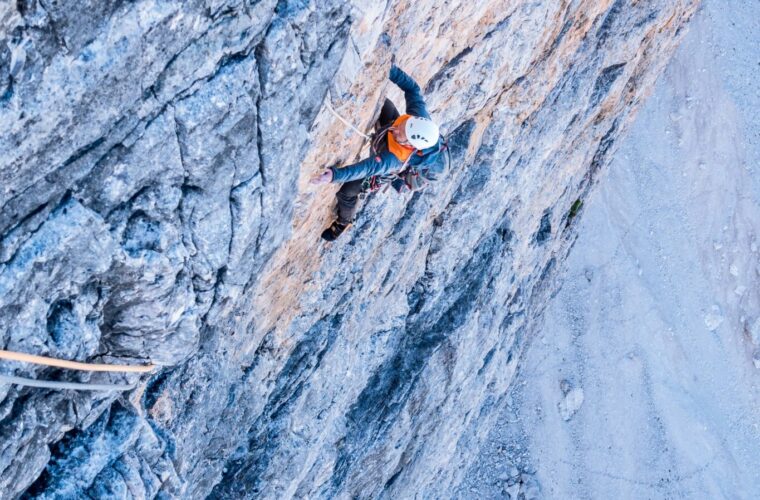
[385, 162]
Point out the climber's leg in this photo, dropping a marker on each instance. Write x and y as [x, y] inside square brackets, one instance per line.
[348, 198]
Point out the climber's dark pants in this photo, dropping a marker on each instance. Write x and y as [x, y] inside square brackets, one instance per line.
[348, 194]
[348, 198]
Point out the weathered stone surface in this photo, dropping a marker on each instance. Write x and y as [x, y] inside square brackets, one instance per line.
[154, 205]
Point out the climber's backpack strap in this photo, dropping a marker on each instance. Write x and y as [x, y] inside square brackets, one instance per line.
[379, 140]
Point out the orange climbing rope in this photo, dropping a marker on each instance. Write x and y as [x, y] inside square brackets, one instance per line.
[73, 365]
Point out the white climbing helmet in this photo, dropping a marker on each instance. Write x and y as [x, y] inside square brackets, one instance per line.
[421, 133]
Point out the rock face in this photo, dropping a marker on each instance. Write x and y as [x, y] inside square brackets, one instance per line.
[154, 205]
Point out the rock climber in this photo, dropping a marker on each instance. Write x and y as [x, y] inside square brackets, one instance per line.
[405, 153]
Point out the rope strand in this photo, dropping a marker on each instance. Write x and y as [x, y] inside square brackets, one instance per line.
[345, 122]
[75, 386]
[73, 365]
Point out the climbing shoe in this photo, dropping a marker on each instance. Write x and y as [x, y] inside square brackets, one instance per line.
[335, 230]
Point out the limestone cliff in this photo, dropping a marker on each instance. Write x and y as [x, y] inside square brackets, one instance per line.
[154, 205]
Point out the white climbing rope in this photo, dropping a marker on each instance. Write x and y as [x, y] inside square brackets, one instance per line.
[345, 122]
[73, 365]
[75, 386]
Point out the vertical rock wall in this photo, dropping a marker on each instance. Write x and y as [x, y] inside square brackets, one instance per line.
[154, 205]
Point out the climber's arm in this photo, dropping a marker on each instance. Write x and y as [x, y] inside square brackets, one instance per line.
[382, 164]
[415, 103]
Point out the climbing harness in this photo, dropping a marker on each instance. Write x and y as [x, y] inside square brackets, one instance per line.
[76, 386]
[71, 365]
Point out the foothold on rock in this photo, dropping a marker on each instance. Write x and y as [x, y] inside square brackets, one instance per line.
[545, 228]
[754, 332]
[572, 401]
[714, 319]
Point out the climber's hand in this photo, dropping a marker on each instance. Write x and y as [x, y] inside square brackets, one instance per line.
[323, 177]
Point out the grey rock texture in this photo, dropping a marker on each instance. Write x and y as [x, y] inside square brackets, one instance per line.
[154, 205]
